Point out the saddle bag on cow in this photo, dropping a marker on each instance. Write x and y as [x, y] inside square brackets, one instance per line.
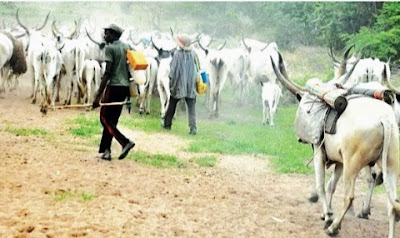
[309, 121]
[201, 78]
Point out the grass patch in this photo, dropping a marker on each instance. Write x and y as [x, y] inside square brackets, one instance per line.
[18, 131]
[206, 161]
[238, 130]
[63, 195]
[157, 160]
[85, 125]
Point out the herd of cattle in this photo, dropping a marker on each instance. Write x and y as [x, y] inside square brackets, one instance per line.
[367, 131]
[72, 60]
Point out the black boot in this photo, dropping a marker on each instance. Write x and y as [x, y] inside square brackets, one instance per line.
[126, 149]
[106, 155]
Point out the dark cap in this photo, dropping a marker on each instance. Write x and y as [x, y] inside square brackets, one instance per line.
[115, 28]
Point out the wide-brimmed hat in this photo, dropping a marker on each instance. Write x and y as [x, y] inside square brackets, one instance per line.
[115, 28]
[184, 41]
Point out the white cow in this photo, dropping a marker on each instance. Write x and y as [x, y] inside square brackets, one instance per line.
[271, 93]
[163, 84]
[48, 73]
[366, 133]
[73, 55]
[222, 64]
[260, 64]
[35, 48]
[90, 81]
[146, 90]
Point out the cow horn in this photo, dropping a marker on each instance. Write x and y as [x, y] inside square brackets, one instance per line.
[351, 71]
[330, 53]
[74, 32]
[87, 33]
[342, 67]
[203, 48]
[172, 32]
[154, 45]
[265, 47]
[44, 23]
[222, 46]
[20, 35]
[54, 29]
[20, 23]
[386, 82]
[245, 45]
[292, 87]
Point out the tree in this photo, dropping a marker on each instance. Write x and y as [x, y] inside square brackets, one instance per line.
[383, 39]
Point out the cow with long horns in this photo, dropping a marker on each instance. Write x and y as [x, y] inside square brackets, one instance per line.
[35, 48]
[366, 133]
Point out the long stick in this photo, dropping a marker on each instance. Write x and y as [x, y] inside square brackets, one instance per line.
[90, 105]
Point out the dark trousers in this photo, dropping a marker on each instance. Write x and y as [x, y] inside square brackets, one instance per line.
[191, 105]
[109, 116]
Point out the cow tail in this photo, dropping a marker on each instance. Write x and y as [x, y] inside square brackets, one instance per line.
[386, 142]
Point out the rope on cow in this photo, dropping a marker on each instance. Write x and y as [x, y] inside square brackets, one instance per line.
[319, 148]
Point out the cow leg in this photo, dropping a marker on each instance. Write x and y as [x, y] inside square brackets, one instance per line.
[271, 114]
[164, 99]
[147, 101]
[350, 172]
[366, 211]
[2, 82]
[70, 89]
[15, 83]
[389, 179]
[58, 88]
[35, 86]
[141, 98]
[45, 96]
[33, 82]
[214, 103]
[149, 95]
[331, 186]
[319, 167]
[54, 84]
[265, 115]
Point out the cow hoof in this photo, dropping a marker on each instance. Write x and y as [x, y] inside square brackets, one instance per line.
[332, 231]
[140, 112]
[313, 197]
[328, 223]
[397, 217]
[43, 110]
[363, 214]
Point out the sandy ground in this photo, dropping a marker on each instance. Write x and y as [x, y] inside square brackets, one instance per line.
[240, 197]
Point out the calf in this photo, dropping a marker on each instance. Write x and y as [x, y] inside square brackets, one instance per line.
[271, 92]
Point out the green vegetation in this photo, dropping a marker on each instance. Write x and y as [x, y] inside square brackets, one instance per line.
[237, 131]
[206, 161]
[18, 131]
[85, 125]
[63, 195]
[157, 160]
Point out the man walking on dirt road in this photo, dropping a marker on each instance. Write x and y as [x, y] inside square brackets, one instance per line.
[116, 84]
